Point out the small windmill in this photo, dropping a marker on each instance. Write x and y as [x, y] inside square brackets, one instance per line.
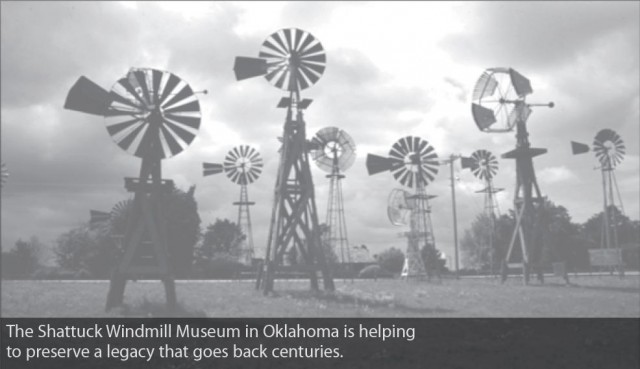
[4, 174]
[484, 165]
[414, 163]
[292, 60]
[609, 149]
[243, 166]
[153, 115]
[336, 152]
[499, 105]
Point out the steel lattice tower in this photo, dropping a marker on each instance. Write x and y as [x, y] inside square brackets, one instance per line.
[337, 235]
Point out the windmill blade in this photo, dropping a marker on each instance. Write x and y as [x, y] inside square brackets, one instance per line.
[211, 168]
[609, 148]
[87, 97]
[245, 67]
[152, 113]
[521, 84]
[376, 164]
[483, 117]
[579, 148]
[295, 59]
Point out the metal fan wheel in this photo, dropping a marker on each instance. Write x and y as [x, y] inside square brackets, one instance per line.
[413, 161]
[609, 148]
[336, 146]
[498, 99]
[485, 164]
[153, 114]
[398, 208]
[295, 59]
[243, 165]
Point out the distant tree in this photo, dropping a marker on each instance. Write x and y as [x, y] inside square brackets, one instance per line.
[221, 237]
[558, 235]
[480, 249]
[433, 260]
[628, 230]
[328, 250]
[97, 248]
[22, 260]
[391, 260]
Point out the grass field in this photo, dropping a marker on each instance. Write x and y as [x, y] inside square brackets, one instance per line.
[587, 296]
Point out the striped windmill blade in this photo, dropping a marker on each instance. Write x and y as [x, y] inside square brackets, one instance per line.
[153, 114]
[609, 148]
[484, 165]
[295, 59]
[243, 165]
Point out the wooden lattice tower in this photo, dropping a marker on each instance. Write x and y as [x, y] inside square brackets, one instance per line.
[292, 60]
[153, 115]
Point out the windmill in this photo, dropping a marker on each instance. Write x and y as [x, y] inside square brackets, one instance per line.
[152, 115]
[414, 163]
[499, 105]
[292, 60]
[484, 165]
[243, 166]
[4, 174]
[609, 149]
[335, 153]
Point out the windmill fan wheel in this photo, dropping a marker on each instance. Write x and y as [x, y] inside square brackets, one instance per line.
[498, 99]
[153, 114]
[335, 148]
[413, 161]
[295, 59]
[243, 165]
[484, 164]
[609, 148]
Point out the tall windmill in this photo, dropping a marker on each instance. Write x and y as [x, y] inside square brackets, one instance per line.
[484, 165]
[499, 105]
[609, 149]
[4, 174]
[335, 153]
[414, 163]
[243, 166]
[153, 115]
[292, 60]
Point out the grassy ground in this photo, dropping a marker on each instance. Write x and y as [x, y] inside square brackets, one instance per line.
[588, 296]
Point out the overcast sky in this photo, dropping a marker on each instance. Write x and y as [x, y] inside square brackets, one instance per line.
[393, 69]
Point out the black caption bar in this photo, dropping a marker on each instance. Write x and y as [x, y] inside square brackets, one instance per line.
[320, 343]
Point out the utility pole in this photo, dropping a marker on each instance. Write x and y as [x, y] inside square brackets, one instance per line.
[450, 161]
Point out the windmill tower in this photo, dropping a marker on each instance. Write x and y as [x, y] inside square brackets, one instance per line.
[292, 60]
[153, 115]
[484, 165]
[609, 149]
[414, 163]
[335, 153]
[243, 166]
[499, 105]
